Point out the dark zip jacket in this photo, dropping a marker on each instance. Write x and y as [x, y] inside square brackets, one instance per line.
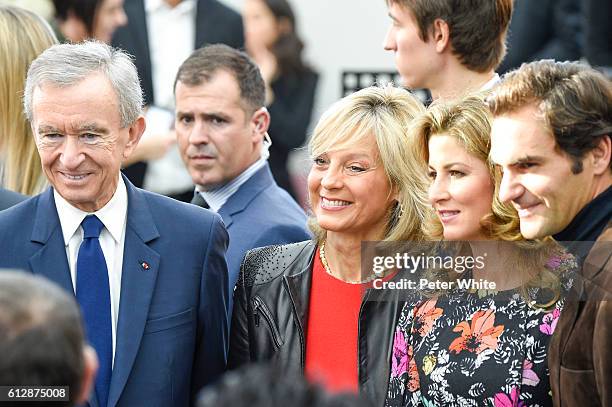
[270, 317]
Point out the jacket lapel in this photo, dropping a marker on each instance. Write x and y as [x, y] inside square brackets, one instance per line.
[298, 285]
[598, 256]
[139, 273]
[594, 264]
[226, 216]
[50, 261]
[236, 203]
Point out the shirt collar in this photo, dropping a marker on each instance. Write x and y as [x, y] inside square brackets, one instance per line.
[217, 197]
[492, 82]
[112, 214]
[152, 6]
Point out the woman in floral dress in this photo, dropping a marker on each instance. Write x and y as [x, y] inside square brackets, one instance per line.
[463, 347]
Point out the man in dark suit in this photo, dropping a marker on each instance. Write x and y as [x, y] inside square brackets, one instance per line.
[551, 136]
[9, 198]
[161, 34]
[148, 272]
[221, 124]
[545, 29]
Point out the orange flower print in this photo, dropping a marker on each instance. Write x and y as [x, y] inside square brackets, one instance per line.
[413, 372]
[425, 316]
[481, 334]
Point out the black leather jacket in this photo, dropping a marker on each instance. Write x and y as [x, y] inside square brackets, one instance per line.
[271, 311]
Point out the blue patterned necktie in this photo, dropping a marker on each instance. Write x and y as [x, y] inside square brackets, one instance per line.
[93, 295]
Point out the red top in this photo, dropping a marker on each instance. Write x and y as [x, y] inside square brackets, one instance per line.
[331, 335]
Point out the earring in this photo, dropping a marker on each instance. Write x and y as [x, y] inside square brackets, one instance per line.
[400, 209]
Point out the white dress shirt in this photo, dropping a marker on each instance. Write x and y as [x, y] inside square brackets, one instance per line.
[112, 238]
[171, 34]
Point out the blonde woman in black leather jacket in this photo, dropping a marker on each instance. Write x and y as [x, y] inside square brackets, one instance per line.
[307, 307]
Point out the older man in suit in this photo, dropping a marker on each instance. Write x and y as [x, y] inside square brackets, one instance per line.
[551, 136]
[148, 272]
[221, 124]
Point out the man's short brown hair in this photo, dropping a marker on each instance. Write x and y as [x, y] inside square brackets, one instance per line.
[204, 63]
[574, 99]
[477, 28]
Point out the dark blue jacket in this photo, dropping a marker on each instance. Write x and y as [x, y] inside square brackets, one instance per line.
[260, 214]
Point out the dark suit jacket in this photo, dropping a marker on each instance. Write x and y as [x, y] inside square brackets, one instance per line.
[260, 214]
[215, 23]
[543, 29]
[172, 331]
[289, 119]
[580, 355]
[9, 198]
[598, 31]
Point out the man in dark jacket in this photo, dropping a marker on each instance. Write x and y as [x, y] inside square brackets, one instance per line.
[551, 136]
[221, 125]
[545, 29]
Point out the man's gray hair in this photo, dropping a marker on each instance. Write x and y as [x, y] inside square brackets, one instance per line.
[65, 65]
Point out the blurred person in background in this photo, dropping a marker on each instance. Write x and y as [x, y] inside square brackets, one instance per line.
[9, 198]
[272, 41]
[302, 306]
[261, 385]
[544, 29]
[41, 338]
[79, 20]
[161, 34]
[23, 36]
[597, 33]
[449, 47]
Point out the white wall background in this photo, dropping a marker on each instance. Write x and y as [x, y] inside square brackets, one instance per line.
[339, 35]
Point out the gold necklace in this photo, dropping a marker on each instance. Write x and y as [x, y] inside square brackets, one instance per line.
[328, 270]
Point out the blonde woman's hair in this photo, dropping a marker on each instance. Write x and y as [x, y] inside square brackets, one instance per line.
[23, 36]
[468, 120]
[386, 113]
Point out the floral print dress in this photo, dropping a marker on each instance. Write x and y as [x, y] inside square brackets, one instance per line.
[464, 349]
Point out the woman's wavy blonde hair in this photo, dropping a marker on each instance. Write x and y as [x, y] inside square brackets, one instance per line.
[385, 112]
[23, 36]
[469, 121]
